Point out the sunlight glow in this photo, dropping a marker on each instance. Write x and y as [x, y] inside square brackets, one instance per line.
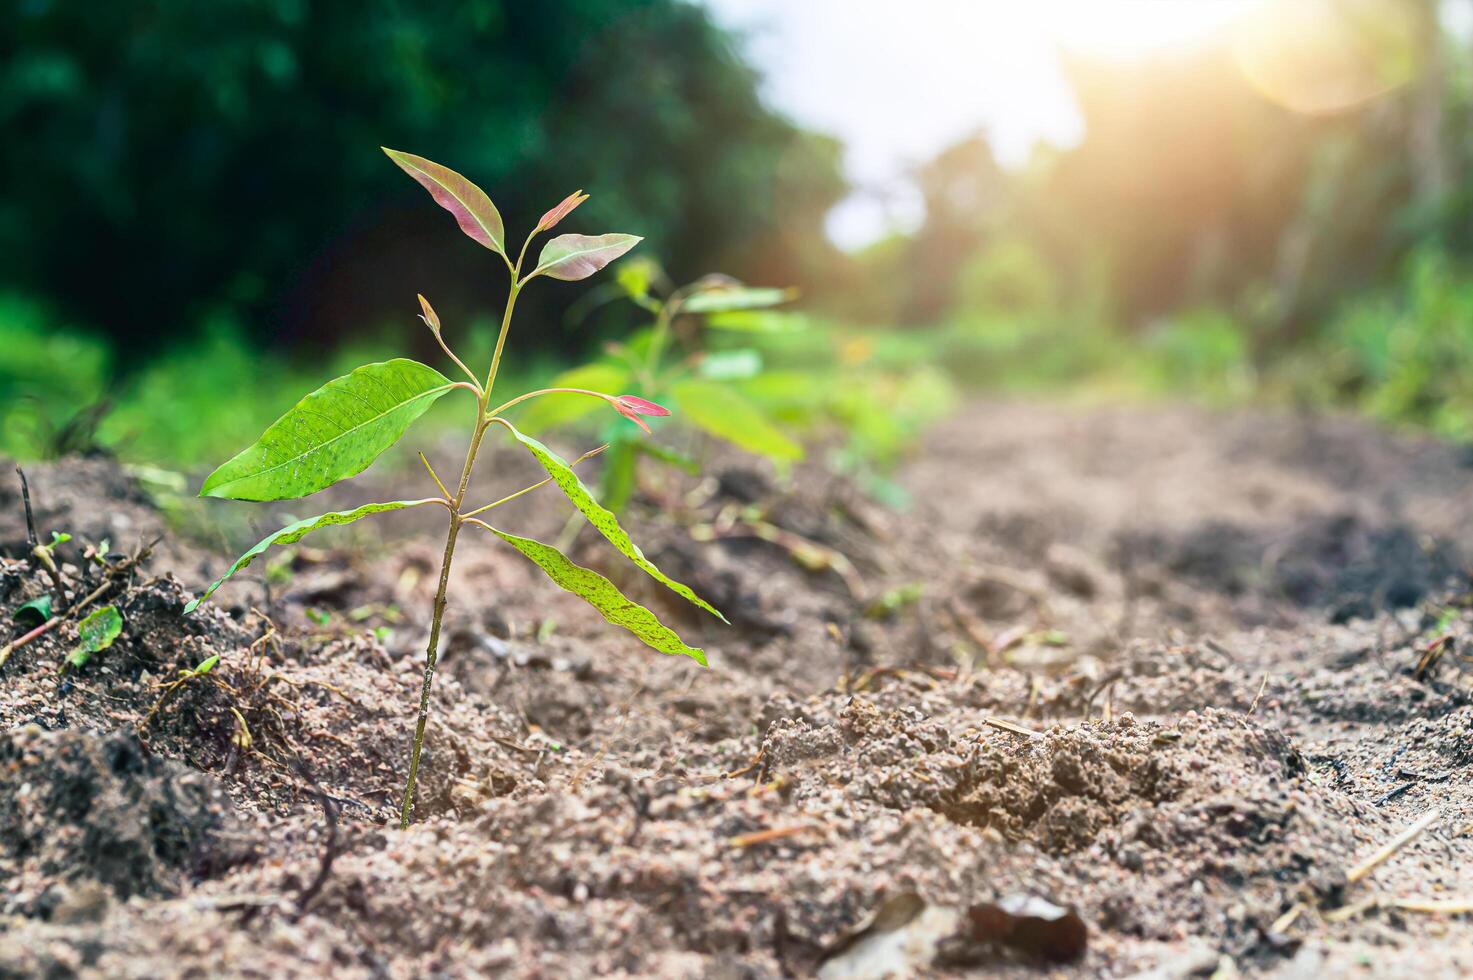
[1129, 29]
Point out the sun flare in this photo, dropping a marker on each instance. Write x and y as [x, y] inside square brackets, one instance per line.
[1128, 29]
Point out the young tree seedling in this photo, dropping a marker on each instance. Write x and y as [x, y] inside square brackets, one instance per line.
[338, 430]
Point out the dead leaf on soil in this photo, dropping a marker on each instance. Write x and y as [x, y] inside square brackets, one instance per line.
[906, 935]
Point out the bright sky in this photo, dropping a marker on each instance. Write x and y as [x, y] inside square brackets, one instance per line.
[899, 80]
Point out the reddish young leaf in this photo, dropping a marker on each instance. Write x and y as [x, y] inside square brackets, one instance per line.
[562, 210]
[632, 407]
[473, 210]
[574, 257]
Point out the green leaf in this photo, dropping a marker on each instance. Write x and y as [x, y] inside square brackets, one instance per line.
[574, 257]
[730, 365]
[758, 321]
[95, 633]
[603, 519]
[473, 210]
[721, 299]
[298, 531]
[636, 277]
[726, 415]
[33, 613]
[331, 434]
[550, 411]
[602, 595]
[207, 665]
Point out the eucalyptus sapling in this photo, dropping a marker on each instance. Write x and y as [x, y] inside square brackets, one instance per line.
[338, 430]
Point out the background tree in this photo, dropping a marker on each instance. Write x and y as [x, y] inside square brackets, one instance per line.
[153, 142]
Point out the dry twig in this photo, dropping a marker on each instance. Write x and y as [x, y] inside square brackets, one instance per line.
[1011, 728]
[1391, 847]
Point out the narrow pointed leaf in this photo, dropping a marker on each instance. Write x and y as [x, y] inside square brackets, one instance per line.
[296, 532]
[564, 208]
[95, 633]
[331, 434]
[726, 415]
[726, 298]
[634, 408]
[603, 519]
[602, 595]
[574, 257]
[473, 210]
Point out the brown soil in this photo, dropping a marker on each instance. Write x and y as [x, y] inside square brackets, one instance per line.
[1227, 648]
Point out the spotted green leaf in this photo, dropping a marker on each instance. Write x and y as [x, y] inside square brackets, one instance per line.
[726, 415]
[574, 257]
[95, 633]
[602, 518]
[473, 210]
[299, 530]
[602, 595]
[331, 434]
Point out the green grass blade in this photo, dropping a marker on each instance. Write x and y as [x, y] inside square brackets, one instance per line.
[723, 413]
[333, 433]
[602, 595]
[298, 531]
[602, 518]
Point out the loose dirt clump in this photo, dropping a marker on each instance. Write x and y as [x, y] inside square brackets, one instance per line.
[88, 808]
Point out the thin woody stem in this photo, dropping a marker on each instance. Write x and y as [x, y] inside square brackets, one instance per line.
[511, 299]
[432, 648]
[541, 483]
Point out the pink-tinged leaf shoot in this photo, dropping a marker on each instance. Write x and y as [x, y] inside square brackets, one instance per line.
[574, 257]
[473, 210]
[428, 316]
[562, 210]
[632, 407]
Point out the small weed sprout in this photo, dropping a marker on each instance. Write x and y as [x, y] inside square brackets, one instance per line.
[338, 430]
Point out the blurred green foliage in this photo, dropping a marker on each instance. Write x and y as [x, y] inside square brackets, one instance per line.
[181, 157]
[1218, 233]
[1403, 353]
[59, 393]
